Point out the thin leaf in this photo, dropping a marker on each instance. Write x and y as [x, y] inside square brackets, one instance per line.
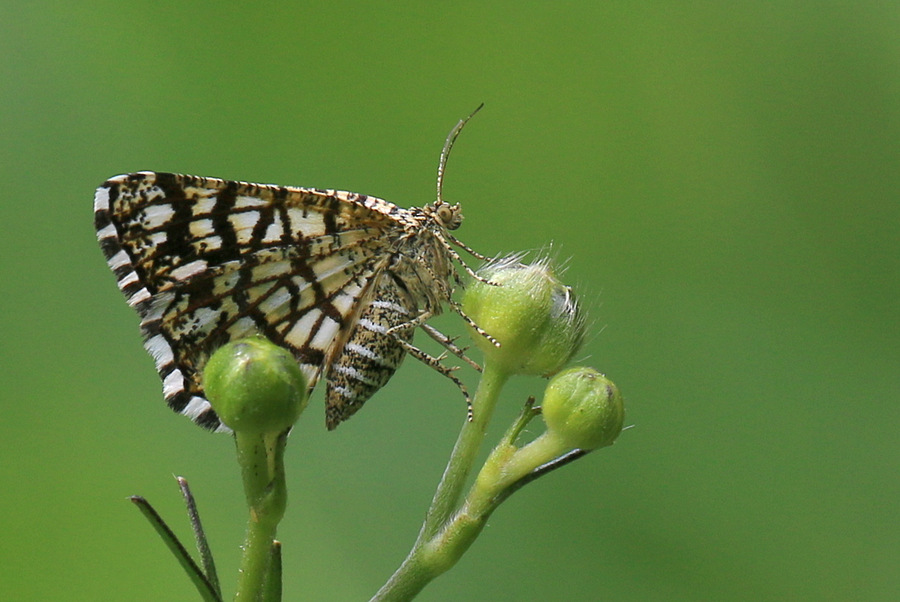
[272, 588]
[206, 557]
[204, 587]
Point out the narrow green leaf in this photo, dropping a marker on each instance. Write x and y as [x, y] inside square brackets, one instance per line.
[204, 587]
[206, 558]
[272, 589]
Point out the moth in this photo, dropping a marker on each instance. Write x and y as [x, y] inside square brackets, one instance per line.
[340, 279]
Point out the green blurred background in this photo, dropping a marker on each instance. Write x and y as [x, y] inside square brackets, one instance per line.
[723, 177]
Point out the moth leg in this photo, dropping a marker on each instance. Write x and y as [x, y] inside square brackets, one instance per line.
[449, 344]
[435, 364]
[458, 309]
[415, 322]
[445, 341]
[465, 247]
[452, 252]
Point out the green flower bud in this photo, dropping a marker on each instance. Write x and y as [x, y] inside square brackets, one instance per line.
[255, 386]
[532, 315]
[583, 408]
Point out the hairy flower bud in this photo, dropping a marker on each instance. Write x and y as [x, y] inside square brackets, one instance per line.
[529, 312]
[255, 386]
[583, 408]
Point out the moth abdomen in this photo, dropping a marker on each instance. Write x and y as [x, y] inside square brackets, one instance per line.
[371, 354]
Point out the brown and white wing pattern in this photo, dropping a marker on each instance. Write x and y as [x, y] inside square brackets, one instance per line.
[371, 353]
[205, 261]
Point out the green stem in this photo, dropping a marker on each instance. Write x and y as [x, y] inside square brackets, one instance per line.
[504, 470]
[449, 490]
[508, 465]
[261, 456]
[431, 558]
[434, 552]
[256, 560]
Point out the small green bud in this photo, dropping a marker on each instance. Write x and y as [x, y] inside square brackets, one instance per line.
[529, 312]
[255, 386]
[583, 408]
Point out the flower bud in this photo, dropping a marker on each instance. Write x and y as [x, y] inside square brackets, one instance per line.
[532, 315]
[583, 408]
[255, 386]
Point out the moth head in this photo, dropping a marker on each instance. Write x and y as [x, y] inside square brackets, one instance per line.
[446, 215]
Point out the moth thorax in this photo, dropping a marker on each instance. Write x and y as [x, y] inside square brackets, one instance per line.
[425, 268]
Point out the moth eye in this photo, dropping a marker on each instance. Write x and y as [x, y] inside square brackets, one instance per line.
[448, 216]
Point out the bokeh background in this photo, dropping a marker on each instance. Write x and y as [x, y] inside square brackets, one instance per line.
[722, 179]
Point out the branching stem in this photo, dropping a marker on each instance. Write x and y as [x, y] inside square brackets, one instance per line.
[437, 547]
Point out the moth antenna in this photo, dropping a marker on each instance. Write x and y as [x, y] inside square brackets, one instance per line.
[448, 144]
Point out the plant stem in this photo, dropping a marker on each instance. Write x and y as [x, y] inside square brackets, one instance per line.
[449, 490]
[434, 551]
[261, 456]
[257, 558]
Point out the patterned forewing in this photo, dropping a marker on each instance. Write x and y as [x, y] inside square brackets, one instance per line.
[371, 354]
[206, 261]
